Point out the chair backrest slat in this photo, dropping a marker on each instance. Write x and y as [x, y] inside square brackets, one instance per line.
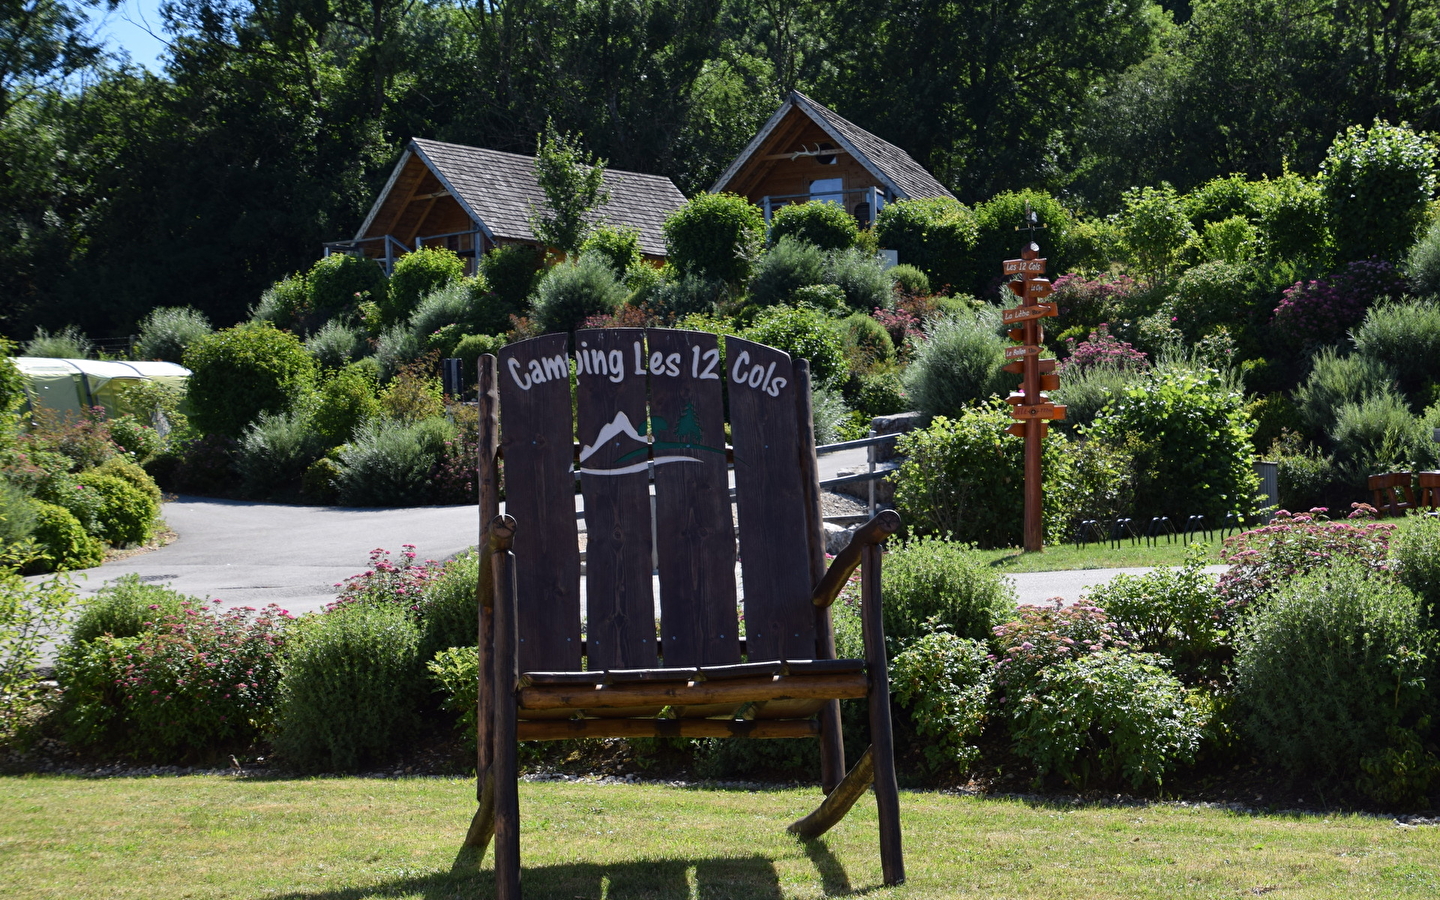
[610, 398]
[770, 488]
[537, 441]
[695, 535]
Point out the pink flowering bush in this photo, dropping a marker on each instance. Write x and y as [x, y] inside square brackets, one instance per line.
[1101, 349]
[1295, 544]
[1323, 310]
[389, 581]
[193, 681]
[1084, 299]
[903, 326]
[1044, 636]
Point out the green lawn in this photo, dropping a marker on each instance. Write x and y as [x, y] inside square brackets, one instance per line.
[1102, 556]
[348, 839]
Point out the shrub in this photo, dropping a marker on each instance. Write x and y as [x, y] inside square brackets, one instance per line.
[1294, 544]
[1334, 381]
[1378, 434]
[1038, 637]
[168, 330]
[804, 334]
[1231, 241]
[867, 343]
[397, 348]
[1222, 198]
[788, 266]
[348, 686]
[1405, 338]
[416, 275]
[341, 281]
[126, 514]
[67, 343]
[457, 302]
[1323, 310]
[390, 463]
[909, 280]
[818, 223]
[276, 451]
[347, 398]
[1086, 392]
[958, 363]
[474, 346]
[241, 372]
[17, 515]
[448, 606]
[414, 394]
[944, 682]
[62, 542]
[456, 674]
[689, 295]
[937, 236]
[207, 465]
[284, 303]
[1115, 715]
[927, 578]
[1191, 441]
[83, 439]
[619, 247]
[30, 613]
[1416, 554]
[880, 394]
[830, 416]
[199, 680]
[573, 291]
[318, 484]
[1101, 350]
[1211, 295]
[859, 275]
[1173, 611]
[336, 344]
[127, 471]
[1333, 661]
[1154, 227]
[138, 441]
[1097, 483]
[1304, 475]
[389, 582]
[126, 607]
[1422, 263]
[511, 271]
[1088, 302]
[1291, 219]
[715, 236]
[1377, 184]
[961, 479]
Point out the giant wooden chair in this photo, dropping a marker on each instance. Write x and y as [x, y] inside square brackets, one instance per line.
[649, 404]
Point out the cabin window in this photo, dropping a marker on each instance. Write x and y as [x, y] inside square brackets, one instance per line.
[828, 190]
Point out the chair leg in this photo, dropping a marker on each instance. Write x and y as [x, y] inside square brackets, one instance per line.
[506, 673]
[882, 740]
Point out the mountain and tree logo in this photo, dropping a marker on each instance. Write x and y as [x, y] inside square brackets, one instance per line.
[687, 428]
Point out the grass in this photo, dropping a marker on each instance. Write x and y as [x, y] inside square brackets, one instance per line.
[350, 839]
[1102, 556]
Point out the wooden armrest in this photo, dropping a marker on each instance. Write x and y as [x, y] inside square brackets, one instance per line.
[885, 523]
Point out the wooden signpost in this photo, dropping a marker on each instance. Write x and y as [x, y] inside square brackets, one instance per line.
[1029, 406]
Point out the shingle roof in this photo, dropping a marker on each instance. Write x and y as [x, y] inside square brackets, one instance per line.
[500, 190]
[887, 162]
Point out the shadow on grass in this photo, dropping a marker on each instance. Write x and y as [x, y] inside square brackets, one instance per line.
[720, 878]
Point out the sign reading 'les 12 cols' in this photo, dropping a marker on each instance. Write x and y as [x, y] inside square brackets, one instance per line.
[703, 365]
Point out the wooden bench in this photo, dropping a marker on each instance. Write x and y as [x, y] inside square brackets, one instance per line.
[1392, 493]
[650, 403]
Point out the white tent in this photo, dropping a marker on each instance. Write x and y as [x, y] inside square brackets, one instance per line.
[73, 385]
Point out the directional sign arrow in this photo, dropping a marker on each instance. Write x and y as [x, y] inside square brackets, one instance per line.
[1018, 429]
[1038, 287]
[1018, 368]
[1022, 313]
[1024, 267]
[1038, 411]
[1022, 352]
[1049, 382]
[1017, 398]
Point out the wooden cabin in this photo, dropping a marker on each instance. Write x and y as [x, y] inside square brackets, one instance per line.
[808, 152]
[470, 199]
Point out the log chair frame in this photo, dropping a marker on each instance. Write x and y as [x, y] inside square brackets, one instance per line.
[504, 688]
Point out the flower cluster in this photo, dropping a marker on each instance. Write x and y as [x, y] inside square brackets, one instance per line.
[202, 677]
[1101, 349]
[1322, 310]
[387, 581]
[902, 325]
[1042, 636]
[1296, 543]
